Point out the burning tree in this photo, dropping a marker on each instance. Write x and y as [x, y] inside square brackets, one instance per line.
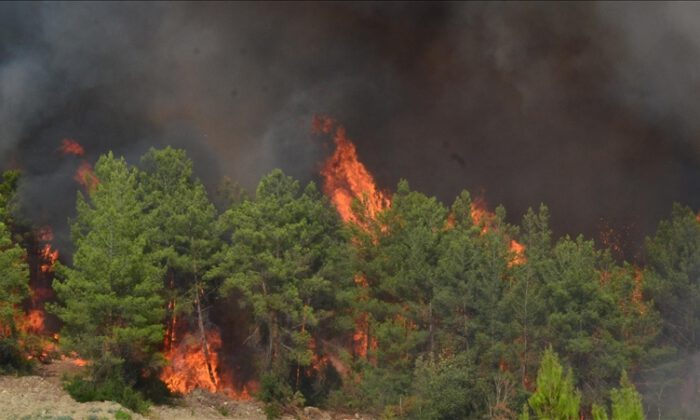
[181, 231]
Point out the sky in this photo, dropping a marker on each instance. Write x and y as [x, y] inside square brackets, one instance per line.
[591, 108]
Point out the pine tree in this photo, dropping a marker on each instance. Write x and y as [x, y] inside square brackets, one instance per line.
[626, 401]
[398, 257]
[111, 301]
[283, 265]
[181, 226]
[14, 281]
[555, 397]
[674, 277]
[524, 296]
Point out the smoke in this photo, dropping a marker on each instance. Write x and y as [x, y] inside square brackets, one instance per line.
[589, 108]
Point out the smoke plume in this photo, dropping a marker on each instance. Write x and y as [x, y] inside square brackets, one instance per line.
[590, 108]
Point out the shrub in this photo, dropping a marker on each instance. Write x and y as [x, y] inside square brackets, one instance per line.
[113, 389]
[12, 358]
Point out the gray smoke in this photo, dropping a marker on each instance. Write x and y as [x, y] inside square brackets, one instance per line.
[590, 108]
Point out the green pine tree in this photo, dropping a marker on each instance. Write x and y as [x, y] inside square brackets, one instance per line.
[14, 288]
[14, 282]
[674, 277]
[626, 401]
[555, 397]
[284, 265]
[111, 301]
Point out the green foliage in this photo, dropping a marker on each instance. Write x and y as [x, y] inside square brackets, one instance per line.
[180, 230]
[122, 415]
[398, 256]
[276, 393]
[674, 277]
[449, 388]
[12, 357]
[626, 401]
[285, 262]
[598, 412]
[555, 397]
[180, 219]
[110, 389]
[458, 315]
[14, 285]
[111, 299]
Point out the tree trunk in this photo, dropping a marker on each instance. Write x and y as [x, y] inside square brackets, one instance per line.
[203, 338]
[430, 330]
[272, 341]
[170, 333]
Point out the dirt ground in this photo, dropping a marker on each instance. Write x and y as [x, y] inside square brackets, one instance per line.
[41, 396]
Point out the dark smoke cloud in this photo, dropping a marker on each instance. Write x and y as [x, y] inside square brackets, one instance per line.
[590, 108]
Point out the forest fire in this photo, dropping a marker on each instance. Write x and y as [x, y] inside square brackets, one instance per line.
[48, 255]
[345, 177]
[484, 218]
[34, 322]
[84, 175]
[189, 367]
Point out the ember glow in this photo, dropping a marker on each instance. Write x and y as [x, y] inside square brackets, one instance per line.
[35, 321]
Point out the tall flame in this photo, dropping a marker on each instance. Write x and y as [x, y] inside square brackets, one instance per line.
[345, 177]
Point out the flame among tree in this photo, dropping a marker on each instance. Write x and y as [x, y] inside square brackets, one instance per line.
[85, 174]
[187, 369]
[345, 177]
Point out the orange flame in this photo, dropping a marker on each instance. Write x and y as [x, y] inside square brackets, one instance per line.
[48, 256]
[73, 357]
[485, 218]
[71, 147]
[86, 177]
[345, 177]
[34, 321]
[188, 371]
